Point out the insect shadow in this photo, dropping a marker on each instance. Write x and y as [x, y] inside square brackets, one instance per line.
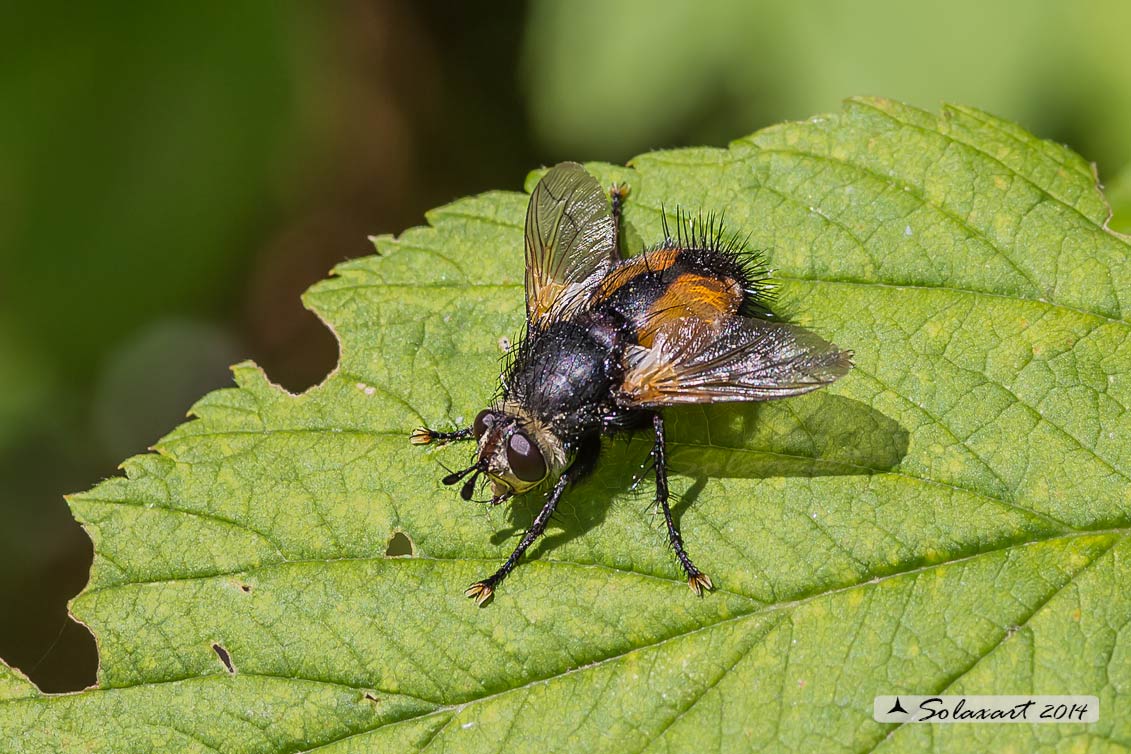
[819, 435]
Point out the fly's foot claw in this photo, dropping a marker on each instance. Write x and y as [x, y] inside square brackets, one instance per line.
[699, 583]
[480, 591]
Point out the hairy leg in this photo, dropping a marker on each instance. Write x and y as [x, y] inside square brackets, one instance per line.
[617, 194]
[481, 591]
[423, 435]
[696, 579]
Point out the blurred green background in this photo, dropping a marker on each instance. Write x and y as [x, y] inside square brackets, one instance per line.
[173, 177]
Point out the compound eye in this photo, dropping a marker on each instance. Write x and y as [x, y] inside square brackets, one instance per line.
[525, 459]
[484, 420]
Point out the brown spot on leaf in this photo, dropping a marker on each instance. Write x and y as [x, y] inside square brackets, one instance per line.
[224, 657]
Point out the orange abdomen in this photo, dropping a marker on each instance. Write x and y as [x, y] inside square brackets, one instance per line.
[662, 285]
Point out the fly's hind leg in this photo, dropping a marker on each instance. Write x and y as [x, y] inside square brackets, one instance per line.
[696, 579]
[423, 435]
[617, 194]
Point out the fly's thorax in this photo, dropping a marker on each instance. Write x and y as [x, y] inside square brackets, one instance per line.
[566, 370]
[516, 450]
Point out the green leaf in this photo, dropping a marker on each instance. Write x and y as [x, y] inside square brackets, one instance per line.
[1120, 196]
[952, 516]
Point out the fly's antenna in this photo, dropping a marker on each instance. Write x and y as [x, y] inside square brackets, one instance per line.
[455, 476]
[468, 488]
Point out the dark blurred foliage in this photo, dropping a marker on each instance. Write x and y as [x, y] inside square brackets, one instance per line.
[172, 177]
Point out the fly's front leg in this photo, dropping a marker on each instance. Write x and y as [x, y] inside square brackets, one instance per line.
[481, 591]
[587, 454]
[696, 579]
[423, 435]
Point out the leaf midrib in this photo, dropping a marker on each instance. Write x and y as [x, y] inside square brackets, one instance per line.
[766, 609]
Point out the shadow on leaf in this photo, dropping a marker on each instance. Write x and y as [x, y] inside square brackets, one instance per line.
[818, 435]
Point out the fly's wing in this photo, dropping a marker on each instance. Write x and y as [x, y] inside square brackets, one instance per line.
[695, 361]
[570, 242]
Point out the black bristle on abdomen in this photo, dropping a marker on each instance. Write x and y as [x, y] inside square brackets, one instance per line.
[709, 245]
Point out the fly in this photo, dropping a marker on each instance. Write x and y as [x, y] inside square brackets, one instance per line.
[610, 341]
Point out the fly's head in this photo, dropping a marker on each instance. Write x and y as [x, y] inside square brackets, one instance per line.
[516, 452]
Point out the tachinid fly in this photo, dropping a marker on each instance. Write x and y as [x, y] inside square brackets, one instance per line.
[610, 341]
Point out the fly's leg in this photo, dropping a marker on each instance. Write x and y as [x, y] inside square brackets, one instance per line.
[423, 435]
[617, 194]
[481, 591]
[696, 579]
[586, 459]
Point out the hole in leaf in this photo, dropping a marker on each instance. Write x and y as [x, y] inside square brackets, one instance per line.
[245, 587]
[400, 545]
[224, 657]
